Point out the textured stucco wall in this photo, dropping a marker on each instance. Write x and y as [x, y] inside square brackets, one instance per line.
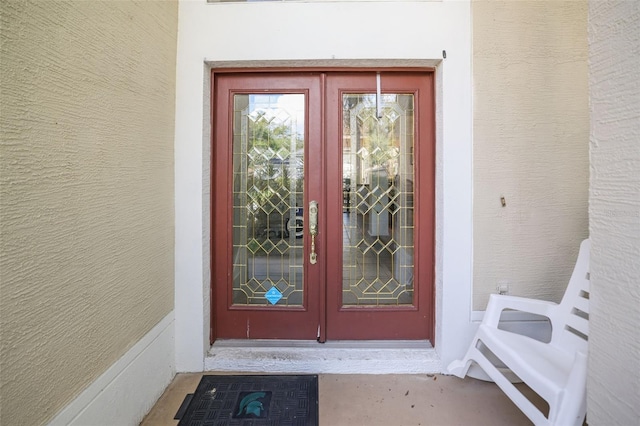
[613, 386]
[88, 101]
[531, 130]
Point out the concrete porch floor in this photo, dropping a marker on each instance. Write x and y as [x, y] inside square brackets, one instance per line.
[385, 400]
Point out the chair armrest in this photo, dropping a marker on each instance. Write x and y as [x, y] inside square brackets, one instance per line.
[498, 303]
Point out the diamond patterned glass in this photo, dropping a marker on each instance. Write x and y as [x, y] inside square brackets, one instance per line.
[268, 182]
[378, 175]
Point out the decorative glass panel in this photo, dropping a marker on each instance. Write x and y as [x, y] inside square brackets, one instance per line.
[378, 180]
[268, 182]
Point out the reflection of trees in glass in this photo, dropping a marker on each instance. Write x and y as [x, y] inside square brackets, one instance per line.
[272, 133]
[275, 174]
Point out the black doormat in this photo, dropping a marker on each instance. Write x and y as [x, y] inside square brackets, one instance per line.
[252, 401]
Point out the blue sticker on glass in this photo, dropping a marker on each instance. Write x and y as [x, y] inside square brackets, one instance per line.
[273, 295]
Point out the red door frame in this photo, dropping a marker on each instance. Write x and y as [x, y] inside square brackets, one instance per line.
[342, 323]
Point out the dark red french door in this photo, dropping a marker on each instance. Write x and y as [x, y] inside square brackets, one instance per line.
[322, 205]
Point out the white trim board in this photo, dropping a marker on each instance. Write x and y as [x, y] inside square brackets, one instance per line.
[124, 393]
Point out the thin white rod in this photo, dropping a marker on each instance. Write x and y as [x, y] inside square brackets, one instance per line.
[378, 97]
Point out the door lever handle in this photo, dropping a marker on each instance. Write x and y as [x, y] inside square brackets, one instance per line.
[313, 230]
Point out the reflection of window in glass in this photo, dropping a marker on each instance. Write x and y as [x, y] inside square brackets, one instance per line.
[378, 139]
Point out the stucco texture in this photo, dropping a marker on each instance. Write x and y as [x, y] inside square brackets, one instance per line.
[613, 387]
[87, 210]
[530, 146]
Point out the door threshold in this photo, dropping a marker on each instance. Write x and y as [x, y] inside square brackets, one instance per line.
[311, 357]
[282, 343]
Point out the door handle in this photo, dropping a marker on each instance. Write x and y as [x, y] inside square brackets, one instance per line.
[313, 230]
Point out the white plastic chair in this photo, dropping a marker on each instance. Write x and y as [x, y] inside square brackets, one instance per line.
[557, 370]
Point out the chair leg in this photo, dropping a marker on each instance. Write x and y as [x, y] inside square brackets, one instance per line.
[572, 415]
[526, 406]
[572, 408]
[460, 367]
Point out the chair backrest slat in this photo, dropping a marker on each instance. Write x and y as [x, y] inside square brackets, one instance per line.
[572, 329]
[581, 304]
[578, 324]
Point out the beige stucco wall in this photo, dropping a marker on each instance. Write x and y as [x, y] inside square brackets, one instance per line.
[530, 145]
[613, 386]
[87, 222]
